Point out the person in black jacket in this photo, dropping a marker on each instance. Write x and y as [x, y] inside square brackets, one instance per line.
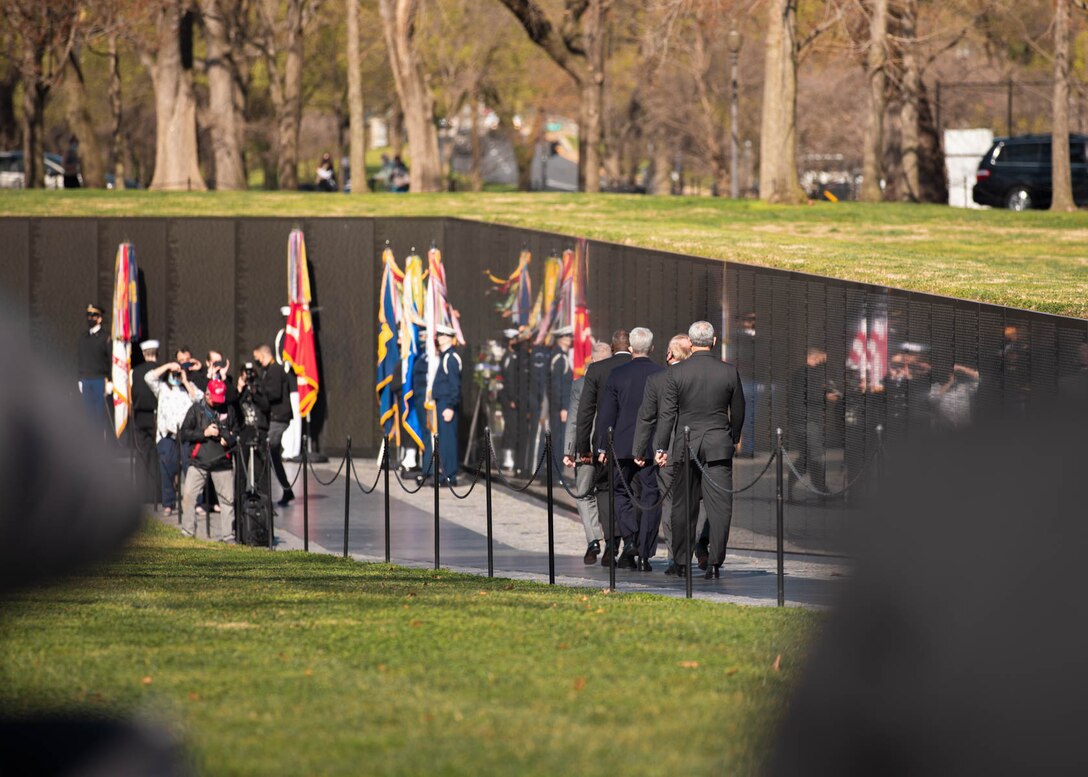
[95, 361]
[144, 406]
[278, 393]
[560, 378]
[595, 378]
[703, 394]
[211, 427]
[446, 393]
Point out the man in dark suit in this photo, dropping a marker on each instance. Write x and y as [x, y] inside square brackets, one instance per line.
[679, 349]
[595, 379]
[619, 405]
[703, 394]
[144, 407]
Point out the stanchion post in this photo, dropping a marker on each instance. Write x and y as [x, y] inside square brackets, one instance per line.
[305, 494]
[436, 470]
[385, 462]
[487, 489]
[780, 527]
[347, 492]
[268, 493]
[551, 508]
[611, 514]
[688, 528]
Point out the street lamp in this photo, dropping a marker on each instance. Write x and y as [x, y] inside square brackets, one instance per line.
[733, 41]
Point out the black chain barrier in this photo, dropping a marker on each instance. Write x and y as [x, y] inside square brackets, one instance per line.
[291, 485]
[563, 483]
[475, 479]
[420, 485]
[507, 483]
[377, 477]
[627, 490]
[722, 489]
[846, 487]
[313, 472]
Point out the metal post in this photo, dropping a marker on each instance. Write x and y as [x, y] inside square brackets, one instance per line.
[347, 493]
[780, 500]
[385, 462]
[551, 508]
[436, 469]
[487, 484]
[268, 494]
[689, 529]
[611, 514]
[305, 495]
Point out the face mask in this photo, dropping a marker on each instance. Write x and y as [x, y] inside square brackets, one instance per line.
[174, 380]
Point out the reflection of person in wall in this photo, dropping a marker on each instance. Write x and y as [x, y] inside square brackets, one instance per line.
[1076, 383]
[810, 395]
[952, 396]
[744, 356]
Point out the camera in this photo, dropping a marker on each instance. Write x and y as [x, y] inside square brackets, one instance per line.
[250, 372]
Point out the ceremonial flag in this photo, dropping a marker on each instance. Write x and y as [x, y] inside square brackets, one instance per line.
[126, 328]
[298, 337]
[388, 347]
[582, 348]
[411, 322]
[437, 312]
[518, 288]
[553, 279]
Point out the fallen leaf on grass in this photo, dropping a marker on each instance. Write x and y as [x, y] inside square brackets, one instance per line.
[777, 663]
[416, 624]
[194, 696]
[579, 683]
[585, 598]
[689, 664]
[483, 593]
[147, 680]
[731, 672]
[564, 646]
[309, 673]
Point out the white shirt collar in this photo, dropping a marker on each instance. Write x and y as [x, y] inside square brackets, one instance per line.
[95, 330]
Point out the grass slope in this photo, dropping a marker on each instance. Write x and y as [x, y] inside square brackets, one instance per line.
[1033, 260]
[287, 663]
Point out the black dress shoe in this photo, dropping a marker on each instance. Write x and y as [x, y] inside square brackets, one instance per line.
[681, 570]
[644, 566]
[285, 500]
[592, 552]
[670, 570]
[606, 557]
[702, 556]
[627, 561]
[713, 573]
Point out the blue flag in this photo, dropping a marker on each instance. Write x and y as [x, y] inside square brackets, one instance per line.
[388, 347]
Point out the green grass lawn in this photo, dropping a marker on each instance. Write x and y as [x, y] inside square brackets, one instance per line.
[287, 663]
[1034, 260]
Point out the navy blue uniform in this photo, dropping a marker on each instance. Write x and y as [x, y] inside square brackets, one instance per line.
[560, 376]
[446, 393]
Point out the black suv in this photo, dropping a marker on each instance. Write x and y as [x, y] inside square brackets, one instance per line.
[1015, 172]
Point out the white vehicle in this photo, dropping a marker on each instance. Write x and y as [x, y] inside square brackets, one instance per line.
[12, 175]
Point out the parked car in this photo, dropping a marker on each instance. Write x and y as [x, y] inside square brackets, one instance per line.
[1015, 172]
[12, 176]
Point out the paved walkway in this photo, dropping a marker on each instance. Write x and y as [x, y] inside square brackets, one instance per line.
[520, 548]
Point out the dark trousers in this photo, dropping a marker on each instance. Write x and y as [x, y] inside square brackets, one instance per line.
[169, 466]
[93, 394]
[275, 445]
[636, 524]
[147, 464]
[810, 451]
[604, 510]
[447, 448]
[719, 509]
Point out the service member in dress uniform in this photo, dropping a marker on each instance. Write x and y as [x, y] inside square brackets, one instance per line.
[95, 363]
[560, 377]
[446, 393]
[508, 399]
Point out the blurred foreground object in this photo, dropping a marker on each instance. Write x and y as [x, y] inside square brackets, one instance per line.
[957, 648]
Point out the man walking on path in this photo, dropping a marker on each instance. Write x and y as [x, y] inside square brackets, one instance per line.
[584, 476]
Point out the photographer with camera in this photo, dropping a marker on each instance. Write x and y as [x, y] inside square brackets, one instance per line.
[211, 427]
[274, 386]
[175, 394]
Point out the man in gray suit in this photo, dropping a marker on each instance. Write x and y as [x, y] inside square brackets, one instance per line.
[584, 474]
[679, 349]
[702, 394]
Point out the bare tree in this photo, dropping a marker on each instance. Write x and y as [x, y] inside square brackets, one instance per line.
[92, 160]
[876, 74]
[415, 97]
[1059, 145]
[577, 45]
[227, 69]
[356, 113]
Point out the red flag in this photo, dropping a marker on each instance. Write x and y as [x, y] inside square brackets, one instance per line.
[582, 348]
[298, 336]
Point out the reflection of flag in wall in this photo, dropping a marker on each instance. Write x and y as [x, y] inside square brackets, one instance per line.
[388, 347]
[582, 348]
[869, 352]
[411, 321]
[517, 291]
[549, 297]
[299, 350]
[437, 312]
[126, 328]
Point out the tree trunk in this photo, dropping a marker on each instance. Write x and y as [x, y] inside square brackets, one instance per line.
[413, 92]
[909, 117]
[476, 178]
[117, 138]
[876, 73]
[662, 162]
[356, 114]
[931, 172]
[286, 93]
[9, 125]
[226, 101]
[176, 166]
[34, 95]
[592, 110]
[395, 131]
[92, 161]
[778, 180]
[1060, 162]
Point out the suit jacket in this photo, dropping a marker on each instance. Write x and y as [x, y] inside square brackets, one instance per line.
[595, 378]
[704, 394]
[619, 406]
[571, 435]
[647, 412]
[559, 381]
